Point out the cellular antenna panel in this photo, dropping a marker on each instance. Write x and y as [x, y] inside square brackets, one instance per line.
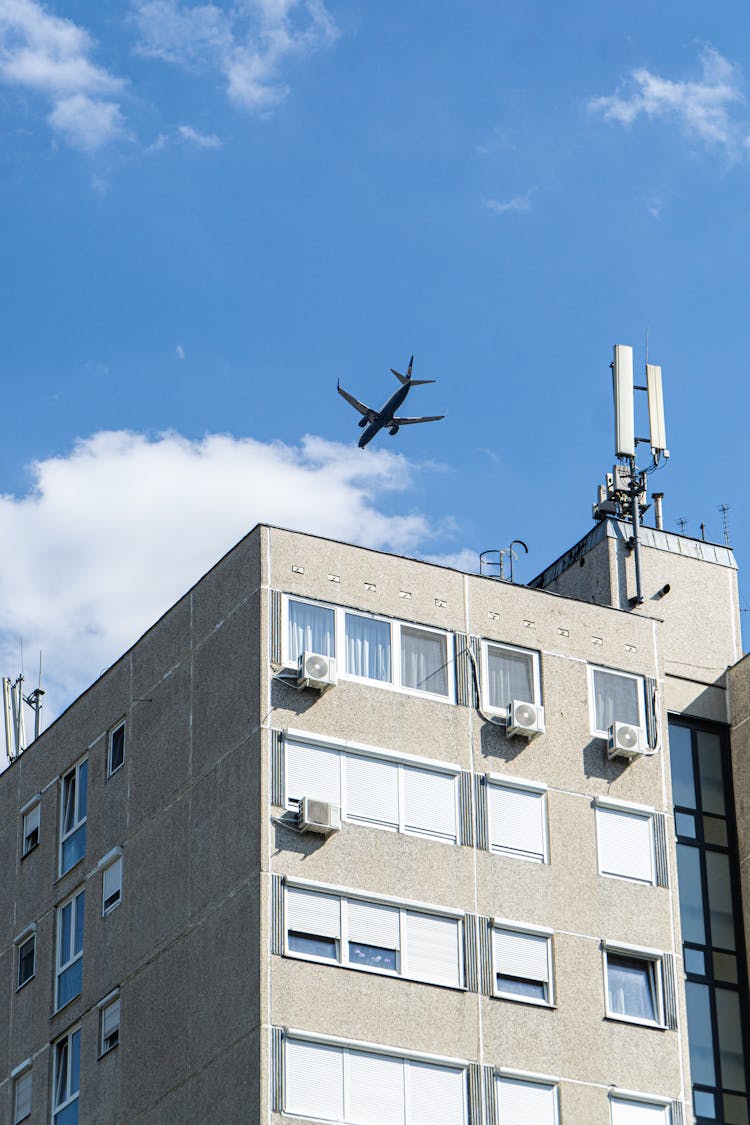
[656, 409]
[622, 384]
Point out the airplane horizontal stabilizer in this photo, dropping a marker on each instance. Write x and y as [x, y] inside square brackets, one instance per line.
[421, 382]
[412, 421]
[401, 378]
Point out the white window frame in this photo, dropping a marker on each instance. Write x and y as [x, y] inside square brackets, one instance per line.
[536, 677]
[32, 806]
[655, 959]
[355, 750]
[626, 808]
[532, 931]
[62, 968]
[105, 1006]
[597, 731]
[27, 935]
[395, 625]
[652, 1101]
[72, 1095]
[533, 1079]
[404, 908]
[109, 861]
[499, 781]
[22, 1071]
[110, 735]
[79, 821]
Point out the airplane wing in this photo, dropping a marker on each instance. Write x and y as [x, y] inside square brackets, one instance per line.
[360, 406]
[411, 421]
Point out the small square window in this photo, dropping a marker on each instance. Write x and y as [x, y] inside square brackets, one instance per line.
[618, 697]
[26, 960]
[31, 829]
[509, 673]
[424, 660]
[115, 749]
[312, 628]
[522, 965]
[22, 1097]
[112, 886]
[633, 987]
[109, 1024]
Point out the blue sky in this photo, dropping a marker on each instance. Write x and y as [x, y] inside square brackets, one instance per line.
[212, 212]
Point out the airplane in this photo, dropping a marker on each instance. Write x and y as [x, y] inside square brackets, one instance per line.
[376, 420]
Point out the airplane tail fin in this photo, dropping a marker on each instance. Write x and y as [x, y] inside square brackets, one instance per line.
[403, 379]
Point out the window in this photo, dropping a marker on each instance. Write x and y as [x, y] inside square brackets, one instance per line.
[521, 1101]
[376, 649]
[115, 748]
[625, 842]
[112, 885]
[21, 1093]
[109, 1024]
[518, 820]
[374, 936]
[335, 1083]
[67, 1079]
[632, 1111]
[69, 949]
[509, 673]
[523, 961]
[634, 987]
[26, 946]
[73, 820]
[378, 792]
[617, 697]
[31, 818]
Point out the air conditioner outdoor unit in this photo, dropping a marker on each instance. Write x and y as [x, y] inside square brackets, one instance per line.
[526, 719]
[316, 671]
[318, 816]
[624, 741]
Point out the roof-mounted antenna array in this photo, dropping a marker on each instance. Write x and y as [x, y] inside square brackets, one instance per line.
[13, 700]
[625, 495]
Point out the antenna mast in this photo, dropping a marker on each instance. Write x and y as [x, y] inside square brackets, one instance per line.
[13, 700]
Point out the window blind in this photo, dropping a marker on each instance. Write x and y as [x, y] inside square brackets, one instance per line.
[372, 923]
[311, 913]
[625, 1112]
[312, 771]
[525, 1103]
[314, 1080]
[521, 955]
[372, 790]
[436, 1095]
[517, 821]
[22, 1097]
[375, 1089]
[625, 841]
[430, 802]
[433, 948]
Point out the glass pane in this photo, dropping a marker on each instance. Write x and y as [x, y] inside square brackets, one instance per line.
[75, 1063]
[700, 1035]
[720, 900]
[691, 898]
[715, 831]
[311, 629]
[368, 648]
[66, 934]
[681, 759]
[711, 773]
[73, 849]
[510, 676]
[725, 967]
[372, 955]
[68, 1116]
[705, 1104]
[69, 802]
[26, 962]
[735, 1110]
[312, 946]
[61, 1072]
[516, 986]
[629, 983]
[69, 983]
[424, 660]
[616, 699]
[730, 1039]
[83, 775]
[695, 962]
[684, 824]
[78, 936]
[117, 752]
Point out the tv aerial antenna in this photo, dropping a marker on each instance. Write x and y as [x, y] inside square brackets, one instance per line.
[625, 493]
[13, 700]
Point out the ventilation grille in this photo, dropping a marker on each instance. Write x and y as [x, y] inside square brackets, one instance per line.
[466, 689]
[480, 812]
[486, 981]
[652, 713]
[277, 914]
[660, 849]
[277, 767]
[471, 952]
[475, 1094]
[467, 809]
[275, 623]
[277, 1069]
[670, 991]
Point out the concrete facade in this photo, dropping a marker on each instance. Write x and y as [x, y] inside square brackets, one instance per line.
[201, 811]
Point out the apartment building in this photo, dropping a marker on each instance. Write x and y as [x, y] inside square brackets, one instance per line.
[475, 859]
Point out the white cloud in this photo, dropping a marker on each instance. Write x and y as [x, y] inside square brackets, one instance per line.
[248, 44]
[180, 351]
[195, 137]
[517, 203]
[48, 55]
[702, 108]
[115, 531]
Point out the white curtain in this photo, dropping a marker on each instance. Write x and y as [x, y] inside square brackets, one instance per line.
[311, 629]
[368, 648]
[510, 677]
[616, 699]
[424, 658]
[629, 983]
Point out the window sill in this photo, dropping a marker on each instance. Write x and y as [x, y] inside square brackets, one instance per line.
[64, 874]
[65, 1005]
[288, 674]
[524, 1000]
[22, 986]
[634, 1021]
[109, 1051]
[109, 775]
[29, 851]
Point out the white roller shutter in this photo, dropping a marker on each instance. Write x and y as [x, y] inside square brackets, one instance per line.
[312, 771]
[433, 948]
[430, 803]
[626, 1112]
[314, 1080]
[626, 846]
[521, 955]
[375, 1089]
[525, 1103]
[308, 912]
[373, 924]
[372, 790]
[436, 1095]
[517, 821]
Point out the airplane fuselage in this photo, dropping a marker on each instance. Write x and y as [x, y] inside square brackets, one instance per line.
[384, 417]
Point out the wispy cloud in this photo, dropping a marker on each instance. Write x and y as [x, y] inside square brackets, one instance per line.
[703, 108]
[517, 203]
[248, 45]
[195, 137]
[180, 351]
[51, 56]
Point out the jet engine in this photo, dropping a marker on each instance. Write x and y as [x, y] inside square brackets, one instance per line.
[362, 423]
[393, 431]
